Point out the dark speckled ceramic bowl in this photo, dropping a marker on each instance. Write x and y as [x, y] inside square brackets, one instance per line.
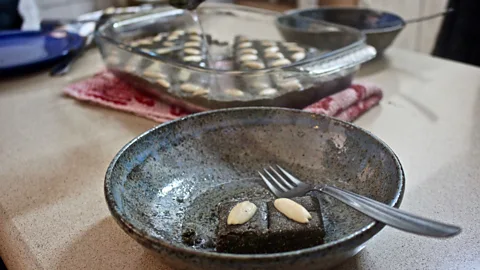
[172, 177]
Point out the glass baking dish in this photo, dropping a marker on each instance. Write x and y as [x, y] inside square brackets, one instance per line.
[329, 67]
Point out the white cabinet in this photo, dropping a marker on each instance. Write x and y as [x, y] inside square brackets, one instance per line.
[69, 8]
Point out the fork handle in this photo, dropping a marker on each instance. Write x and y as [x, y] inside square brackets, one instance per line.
[391, 216]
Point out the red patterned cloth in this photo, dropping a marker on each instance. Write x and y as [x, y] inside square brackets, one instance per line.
[108, 90]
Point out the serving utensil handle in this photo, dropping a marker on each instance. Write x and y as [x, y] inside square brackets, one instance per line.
[391, 216]
[429, 17]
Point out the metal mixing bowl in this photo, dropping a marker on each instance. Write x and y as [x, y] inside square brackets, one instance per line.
[380, 27]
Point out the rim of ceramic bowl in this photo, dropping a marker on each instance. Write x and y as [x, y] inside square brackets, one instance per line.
[297, 12]
[373, 227]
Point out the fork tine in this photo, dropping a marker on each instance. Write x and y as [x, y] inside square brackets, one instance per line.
[282, 187]
[291, 177]
[272, 188]
[284, 182]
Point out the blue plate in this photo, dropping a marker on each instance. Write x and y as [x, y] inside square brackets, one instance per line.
[26, 51]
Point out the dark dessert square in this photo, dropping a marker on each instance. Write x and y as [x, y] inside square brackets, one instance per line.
[286, 234]
[270, 231]
[250, 237]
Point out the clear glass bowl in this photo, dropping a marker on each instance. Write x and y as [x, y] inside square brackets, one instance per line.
[330, 68]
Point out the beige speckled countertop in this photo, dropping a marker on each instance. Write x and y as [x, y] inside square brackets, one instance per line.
[54, 152]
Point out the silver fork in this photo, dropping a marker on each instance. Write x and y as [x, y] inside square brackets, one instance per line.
[285, 185]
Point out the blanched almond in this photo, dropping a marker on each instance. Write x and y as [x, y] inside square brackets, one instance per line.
[298, 56]
[260, 85]
[296, 49]
[235, 92]
[183, 75]
[292, 84]
[192, 58]
[154, 74]
[272, 49]
[192, 51]
[248, 57]
[158, 38]
[248, 51]
[168, 44]
[268, 92]
[134, 44]
[244, 45]
[241, 213]
[280, 62]
[163, 83]
[254, 65]
[195, 38]
[109, 10]
[193, 44]
[172, 37]
[178, 32]
[146, 41]
[242, 39]
[268, 43]
[193, 32]
[113, 60]
[273, 55]
[195, 90]
[292, 210]
[163, 50]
